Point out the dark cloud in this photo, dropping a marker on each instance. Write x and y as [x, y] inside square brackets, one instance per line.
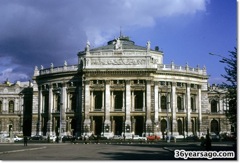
[40, 32]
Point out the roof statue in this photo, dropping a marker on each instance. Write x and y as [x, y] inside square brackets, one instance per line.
[88, 46]
[65, 63]
[118, 44]
[148, 45]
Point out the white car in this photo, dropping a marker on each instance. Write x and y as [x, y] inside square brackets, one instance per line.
[117, 137]
[15, 138]
[137, 137]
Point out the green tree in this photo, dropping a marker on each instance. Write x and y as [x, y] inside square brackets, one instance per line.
[230, 84]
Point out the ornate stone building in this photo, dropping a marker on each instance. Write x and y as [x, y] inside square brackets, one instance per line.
[122, 88]
[15, 108]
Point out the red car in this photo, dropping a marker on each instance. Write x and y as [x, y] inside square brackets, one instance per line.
[153, 137]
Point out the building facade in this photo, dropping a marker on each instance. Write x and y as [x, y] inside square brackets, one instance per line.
[15, 108]
[122, 88]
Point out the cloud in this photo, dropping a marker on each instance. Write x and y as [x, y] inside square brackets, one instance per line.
[12, 76]
[40, 32]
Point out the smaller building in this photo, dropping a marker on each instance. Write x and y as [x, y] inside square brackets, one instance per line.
[15, 108]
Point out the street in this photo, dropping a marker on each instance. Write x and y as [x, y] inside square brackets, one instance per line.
[102, 151]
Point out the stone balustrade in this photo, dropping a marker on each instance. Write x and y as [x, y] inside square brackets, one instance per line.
[173, 67]
[164, 67]
[58, 69]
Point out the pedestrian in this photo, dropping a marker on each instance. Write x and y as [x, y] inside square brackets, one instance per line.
[57, 139]
[208, 143]
[25, 140]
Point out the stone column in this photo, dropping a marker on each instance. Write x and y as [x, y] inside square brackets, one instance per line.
[63, 109]
[103, 101]
[50, 108]
[148, 106]
[79, 109]
[87, 120]
[199, 110]
[159, 102]
[123, 104]
[128, 104]
[107, 104]
[112, 101]
[156, 102]
[40, 111]
[144, 102]
[188, 103]
[133, 102]
[173, 111]
[156, 107]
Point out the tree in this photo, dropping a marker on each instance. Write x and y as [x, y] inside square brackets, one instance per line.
[230, 84]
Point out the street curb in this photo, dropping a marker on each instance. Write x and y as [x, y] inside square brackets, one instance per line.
[21, 150]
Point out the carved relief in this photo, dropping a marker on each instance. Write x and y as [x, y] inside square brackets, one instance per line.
[118, 61]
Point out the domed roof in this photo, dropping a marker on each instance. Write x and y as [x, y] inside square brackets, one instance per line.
[122, 42]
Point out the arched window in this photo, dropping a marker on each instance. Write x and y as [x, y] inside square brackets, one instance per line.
[180, 127]
[179, 103]
[0, 106]
[213, 106]
[163, 102]
[11, 107]
[214, 126]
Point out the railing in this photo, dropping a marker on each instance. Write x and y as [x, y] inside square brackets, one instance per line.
[58, 69]
[173, 67]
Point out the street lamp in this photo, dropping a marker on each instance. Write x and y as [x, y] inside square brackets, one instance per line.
[217, 55]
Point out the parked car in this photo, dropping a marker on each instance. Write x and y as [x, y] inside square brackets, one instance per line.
[37, 137]
[15, 138]
[214, 136]
[67, 138]
[192, 138]
[137, 137]
[117, 137]
[51, 138]
[153, 137]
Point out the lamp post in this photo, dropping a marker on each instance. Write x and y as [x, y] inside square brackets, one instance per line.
[218, 55]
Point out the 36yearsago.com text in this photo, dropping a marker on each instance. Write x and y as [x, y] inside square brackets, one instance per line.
[203, 154]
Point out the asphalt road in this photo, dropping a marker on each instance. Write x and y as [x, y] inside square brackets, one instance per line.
[94, 152]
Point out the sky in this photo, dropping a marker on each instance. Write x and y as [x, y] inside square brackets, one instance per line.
[35, 33]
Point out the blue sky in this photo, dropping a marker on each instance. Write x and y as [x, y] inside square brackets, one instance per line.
[44, 32]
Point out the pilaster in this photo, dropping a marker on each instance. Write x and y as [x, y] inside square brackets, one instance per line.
[188, 102]
[128, 104]
[173, 111]
[50, 107]
[63, 109]
[148, 107]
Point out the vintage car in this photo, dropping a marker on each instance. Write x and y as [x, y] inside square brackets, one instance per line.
[153, 137]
